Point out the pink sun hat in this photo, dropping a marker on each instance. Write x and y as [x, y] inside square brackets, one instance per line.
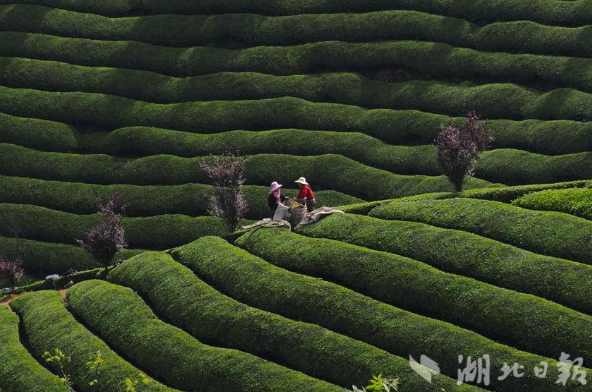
[274, 187]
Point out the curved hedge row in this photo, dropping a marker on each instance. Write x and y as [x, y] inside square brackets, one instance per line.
[43, 258]
[544, 11]
[49, 326]
[501, 100]
[172, 354]
[395, 127]
[428, 58]
[408, 283]
[20, 372]
[520, 167]
[510, 166]
[154, 232]
[323, 172]
[510, 193]
[503, 194]
[464, 253]
[201, 310]
[549, 233]
[146, 200]
[571, 201]
[255, 282]
[252, 29]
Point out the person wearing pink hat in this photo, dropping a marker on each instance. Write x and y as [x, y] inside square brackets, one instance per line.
[306, 193]
[275, 197]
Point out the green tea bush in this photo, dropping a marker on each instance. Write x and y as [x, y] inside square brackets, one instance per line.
[466, 254]
[323, 171]
[49, 326]
[510, 166]
[548, 233]
[571, 201]
[70, 71]
[199, 309]
[141, 200]
[20, 372]
[44, 258]
[391, 126]
[253, 281]
[417, 287]
[546, 11]
[128, 324]
[252, 29]
[497, 100]
[154, 232]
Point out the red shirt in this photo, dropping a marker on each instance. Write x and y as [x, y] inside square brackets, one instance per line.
[305, 193]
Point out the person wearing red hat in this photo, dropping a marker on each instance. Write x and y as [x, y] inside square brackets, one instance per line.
[275, 197]
[306, 193]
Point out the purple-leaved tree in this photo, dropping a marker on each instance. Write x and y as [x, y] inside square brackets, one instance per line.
[107, 239]
[459, 146]
[227, 173]
[11, 270]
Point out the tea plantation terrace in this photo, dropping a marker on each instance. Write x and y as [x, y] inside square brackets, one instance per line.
[380, 264]
[122, 95]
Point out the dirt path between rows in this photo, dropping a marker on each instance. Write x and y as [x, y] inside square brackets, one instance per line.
[6, 302]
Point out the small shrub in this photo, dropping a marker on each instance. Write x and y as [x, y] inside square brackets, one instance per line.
[227, 173]
[11, 270]
[458, 148]
[107, 239]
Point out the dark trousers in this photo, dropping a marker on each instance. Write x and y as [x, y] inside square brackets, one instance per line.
[310, 205]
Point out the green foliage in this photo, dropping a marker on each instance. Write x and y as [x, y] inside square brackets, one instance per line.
[466, 254]
[502, 165]
[571, 201]
[141, 200]
[495, 100]
[48, 326]
[199, 309]
[43, 258]
[20, 372]
[406, 283]
[173, 355]
[331, 171]
[253, 29]
[547, 233]
[392, 126]
[253, 281]
[155, 232]
[547, 11]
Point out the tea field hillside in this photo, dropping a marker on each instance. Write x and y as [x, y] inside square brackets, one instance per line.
[128, 95]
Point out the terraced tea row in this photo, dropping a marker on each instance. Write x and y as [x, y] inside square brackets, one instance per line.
[47, 326]
[200, 309]
[424, 59]
[572, 201]
[547, 11]
[155, 346]
[412, 127]
[253, 29]
[142, 200]
[511, 166]
[491, 100]
[406, 283]
[392, 126]
[333, 171]
[255, 282]
[44, 258]
[154, 232]
[19, 371]
[465, 253]
[549, 233]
